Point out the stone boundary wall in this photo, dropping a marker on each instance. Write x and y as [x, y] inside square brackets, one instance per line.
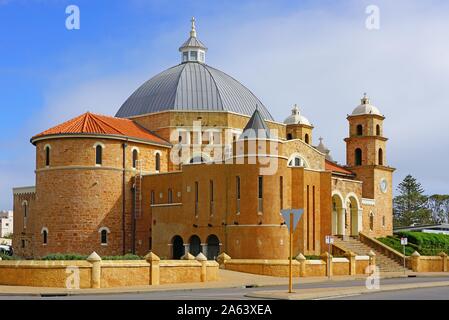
[419, 263]
[95, 273]
[350, 265]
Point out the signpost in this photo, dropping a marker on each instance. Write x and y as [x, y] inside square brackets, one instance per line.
[404, 242]
[291, 218]
[329, 242]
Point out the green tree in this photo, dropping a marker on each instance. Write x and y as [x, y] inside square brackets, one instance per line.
[410, 206]
[439, 205]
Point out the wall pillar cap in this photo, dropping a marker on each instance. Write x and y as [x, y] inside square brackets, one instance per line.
[152, 257]
[326, 256]
[94, 257]
[188, 256]
[300, 257]
[223, 256]
[372, 253]
[350, 254]
[443, 254]
[201, 257]
[416, 254]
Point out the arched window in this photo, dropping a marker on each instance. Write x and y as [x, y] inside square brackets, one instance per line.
[358, 157]
[371, 221]
[297, 161]
[306, 138]
[104, 235]
[44, 235]
[360, 130]
[289, 136]
[25, 208]
[158, 161]
[47, 155]
[99, 155]
[381, 157]
[135, 158]
[378, 130]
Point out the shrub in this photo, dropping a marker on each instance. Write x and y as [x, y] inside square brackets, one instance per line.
[75, 256]
[311, 257]
[64, 256]
[428, 243]
[6, 257]
[128, 256]
[395, 243]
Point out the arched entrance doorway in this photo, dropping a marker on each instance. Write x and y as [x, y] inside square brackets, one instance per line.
[213, 247]
[195, 245]
[353, 208]
[338, 215]
[177, 247]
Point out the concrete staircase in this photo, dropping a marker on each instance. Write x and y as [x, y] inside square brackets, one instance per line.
[385, 264]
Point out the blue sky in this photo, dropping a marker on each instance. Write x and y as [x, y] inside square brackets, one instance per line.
[317, 54]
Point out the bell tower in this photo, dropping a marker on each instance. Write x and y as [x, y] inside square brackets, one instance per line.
[366, 157]
[366, 144]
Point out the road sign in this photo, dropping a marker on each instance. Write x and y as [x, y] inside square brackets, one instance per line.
[297, 213]
[329, 240]
[404, 241]
[291, 218]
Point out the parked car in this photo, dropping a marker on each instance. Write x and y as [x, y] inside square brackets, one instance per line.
[6, 250]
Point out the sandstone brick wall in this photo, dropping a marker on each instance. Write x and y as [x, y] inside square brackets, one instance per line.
[113, 273]
[75, 197]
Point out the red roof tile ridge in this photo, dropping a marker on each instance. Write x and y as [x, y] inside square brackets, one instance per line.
[101, 123]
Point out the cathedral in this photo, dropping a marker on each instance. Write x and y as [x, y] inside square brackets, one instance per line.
[194, 162]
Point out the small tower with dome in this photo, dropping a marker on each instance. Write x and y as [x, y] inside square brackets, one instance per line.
[366, 157]
[366, 143]
[298, 126]
[193, 50]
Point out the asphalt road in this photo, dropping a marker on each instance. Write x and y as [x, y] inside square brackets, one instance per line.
[438, 293]
[239, 293]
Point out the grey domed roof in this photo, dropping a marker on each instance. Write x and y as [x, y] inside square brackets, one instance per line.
[192, 86]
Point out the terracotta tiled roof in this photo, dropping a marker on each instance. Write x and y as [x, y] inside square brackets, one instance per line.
[332, 166]
[89, 123]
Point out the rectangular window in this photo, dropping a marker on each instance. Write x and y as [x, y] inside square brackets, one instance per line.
[237, 192]
[313, 216]
[23, 243]
[193, 55]
[185, 56]
[196, 197]
[308, 218]
[152, 197]
[211, 186]
[170, 196]
[260, 194]
[150, 243]
[281, 192]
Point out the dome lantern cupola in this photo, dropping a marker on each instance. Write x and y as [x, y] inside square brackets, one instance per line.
[296, 117]
[193, 50]
[366, 108]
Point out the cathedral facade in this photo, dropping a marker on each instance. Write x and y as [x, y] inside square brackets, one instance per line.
[194, 162]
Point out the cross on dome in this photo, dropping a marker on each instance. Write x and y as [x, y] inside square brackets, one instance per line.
[193, 31]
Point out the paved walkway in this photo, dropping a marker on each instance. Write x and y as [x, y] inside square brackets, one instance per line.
[228, 279]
